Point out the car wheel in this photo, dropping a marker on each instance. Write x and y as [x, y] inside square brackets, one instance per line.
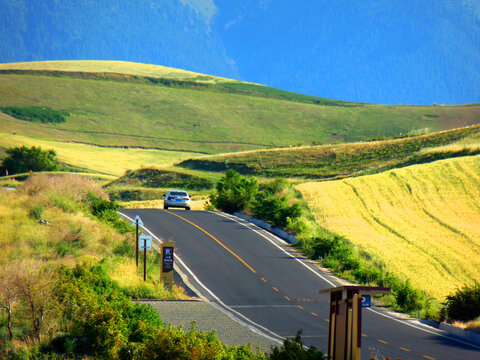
[187, 208]
[165, 207]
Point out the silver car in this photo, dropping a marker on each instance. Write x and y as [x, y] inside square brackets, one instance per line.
[177, 198]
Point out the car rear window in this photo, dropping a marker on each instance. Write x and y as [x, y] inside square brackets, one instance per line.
[178, 193]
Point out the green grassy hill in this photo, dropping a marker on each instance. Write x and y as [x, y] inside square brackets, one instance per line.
[345, 160]
[118, 104]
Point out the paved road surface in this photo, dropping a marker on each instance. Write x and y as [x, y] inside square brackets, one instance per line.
[261, 282]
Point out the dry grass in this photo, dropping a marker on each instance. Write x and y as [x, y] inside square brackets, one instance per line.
[70, 236]
[422, 221]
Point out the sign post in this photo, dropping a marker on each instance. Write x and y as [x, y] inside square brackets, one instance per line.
[345, 325]
[145, 244]
[167, 264]
[137, 222]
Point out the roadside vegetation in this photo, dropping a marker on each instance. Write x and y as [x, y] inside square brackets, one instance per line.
[330, 231]
[68, 277]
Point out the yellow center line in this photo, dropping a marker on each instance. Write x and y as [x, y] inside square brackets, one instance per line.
[382, 341]
[214, 238]
[314, 314]
[286, 297]
[327, 320]
[300, 307]
[428, 357]
[405, 349]
[274, 288]
[264, 280]
[364, 335]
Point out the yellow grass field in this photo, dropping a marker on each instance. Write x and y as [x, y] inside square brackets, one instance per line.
[422, 221]
[111, 161]
[121, 67]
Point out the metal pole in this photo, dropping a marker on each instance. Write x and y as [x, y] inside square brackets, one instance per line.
[144, 258]
[136, 243]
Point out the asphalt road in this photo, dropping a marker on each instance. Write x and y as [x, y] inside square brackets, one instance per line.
[261, 282]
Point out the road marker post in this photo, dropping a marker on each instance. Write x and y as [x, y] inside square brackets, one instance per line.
[137, 222]
[145, 244]
[167, 264]
[345, 325]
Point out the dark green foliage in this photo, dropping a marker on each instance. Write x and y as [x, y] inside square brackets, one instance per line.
[36, 114]
[407, 297]
[464, 304]
[292, 349]
[336, 252]
[272, 206]
[106, 211]
[234, 192]
[98, 314]
[101, 321]
[23, 159]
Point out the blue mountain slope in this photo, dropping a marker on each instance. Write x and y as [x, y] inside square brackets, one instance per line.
[373, 51]
[169, 33]
[380, 51]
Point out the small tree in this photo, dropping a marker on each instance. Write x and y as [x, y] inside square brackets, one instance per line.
[34, 286]
[8, 294]
[234, 192]
[23, 159]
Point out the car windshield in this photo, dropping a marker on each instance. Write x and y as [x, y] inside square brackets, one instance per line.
[178, 193]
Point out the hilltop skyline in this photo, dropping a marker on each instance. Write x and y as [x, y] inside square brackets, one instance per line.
[387, 52]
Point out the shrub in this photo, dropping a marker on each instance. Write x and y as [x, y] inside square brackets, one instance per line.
[293, 349]
[407, 297]
[234, 192]
[23, 159]
[36, 114]
[106, 211]
[464, 304]
[275, 209]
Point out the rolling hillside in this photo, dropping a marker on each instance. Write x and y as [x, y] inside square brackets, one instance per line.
[421, 222]
[137, 105]
[338, 161]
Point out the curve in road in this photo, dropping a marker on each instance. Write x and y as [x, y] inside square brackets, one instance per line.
[263, 283]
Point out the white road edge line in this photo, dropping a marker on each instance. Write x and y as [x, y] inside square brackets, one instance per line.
[222, 307]
[418, 327]
[250, 227]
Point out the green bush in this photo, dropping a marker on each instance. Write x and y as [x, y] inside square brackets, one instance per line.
[234, 192]
[275, 209]
[293, 349]
[36, 114]
[106, 211]
[407, 297]
[464, 304]
[23, 159]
